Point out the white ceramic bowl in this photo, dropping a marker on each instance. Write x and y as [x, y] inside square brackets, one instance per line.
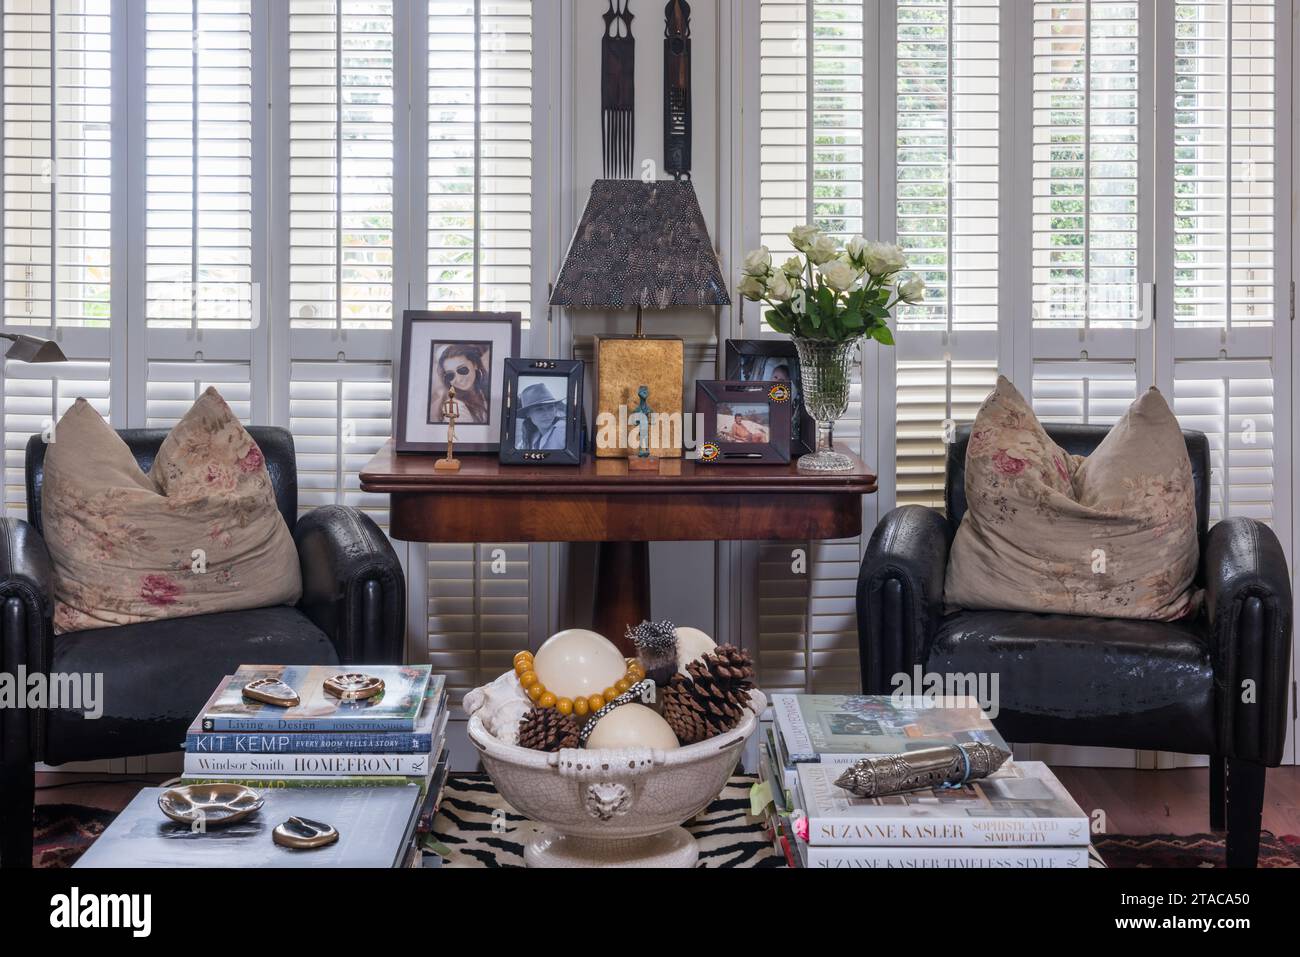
[610, 808]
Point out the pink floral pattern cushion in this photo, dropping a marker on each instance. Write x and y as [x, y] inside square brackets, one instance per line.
[1110, 535]
[199, 534]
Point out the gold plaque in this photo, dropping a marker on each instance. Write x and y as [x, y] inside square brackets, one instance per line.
[623, 365]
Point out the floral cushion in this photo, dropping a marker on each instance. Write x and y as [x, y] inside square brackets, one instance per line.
[1109, 535]
[200, 533]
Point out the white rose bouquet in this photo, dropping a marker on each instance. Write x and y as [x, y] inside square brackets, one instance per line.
[831, 291]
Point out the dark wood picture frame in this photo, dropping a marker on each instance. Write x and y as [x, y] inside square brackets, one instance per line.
[568, 371]
[803, 427]
[401, 426]
[710, 394]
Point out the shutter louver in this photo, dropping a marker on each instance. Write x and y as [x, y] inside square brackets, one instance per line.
[1083, 393]
[341, 164]
[1225, 163]
[480, 155]
[174, 386]
[340, 414]
[199, 164]
[477, 611]
[933, 399]
[35, 396]
[783, 122]
[57, 162]
[948, 159]
[1231, 401]
[1085, 164]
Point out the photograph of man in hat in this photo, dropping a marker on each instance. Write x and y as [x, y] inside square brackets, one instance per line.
[540, 421]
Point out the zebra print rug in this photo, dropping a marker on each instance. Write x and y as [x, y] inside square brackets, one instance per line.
[479, 829]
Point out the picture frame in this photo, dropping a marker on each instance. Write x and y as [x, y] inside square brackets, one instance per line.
[754, 360]
[464, 350]
[745, 423]
[537, 387]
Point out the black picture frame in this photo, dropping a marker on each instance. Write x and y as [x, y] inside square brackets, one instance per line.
[567, 375]
[712, 400]
[741, 357]
[416, 428]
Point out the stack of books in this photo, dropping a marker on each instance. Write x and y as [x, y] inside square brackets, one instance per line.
[1021, 816]
[395, 739]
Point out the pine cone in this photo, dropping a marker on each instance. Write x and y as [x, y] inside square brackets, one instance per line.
[545, 729]
[711, 697]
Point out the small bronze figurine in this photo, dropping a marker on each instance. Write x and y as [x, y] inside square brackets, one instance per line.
[643, 461]
[950, 765]
[450, 412]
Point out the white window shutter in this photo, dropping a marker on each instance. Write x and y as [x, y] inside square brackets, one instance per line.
[1083, 393]
[173, 387]
[948, 158]
[1225, 124]
[933, 399]
[35, 397]
[340, 414]
[198, 164]
[1086, 170]
[341, 141]
[57, 162]
[480, 145]
[1231, 401]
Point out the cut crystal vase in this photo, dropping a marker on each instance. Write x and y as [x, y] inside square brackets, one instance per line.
[826, 369]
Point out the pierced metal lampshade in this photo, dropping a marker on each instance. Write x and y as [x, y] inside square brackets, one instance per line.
[643, 245]
[32, 349]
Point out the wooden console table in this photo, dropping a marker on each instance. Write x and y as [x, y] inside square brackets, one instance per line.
[603, 502]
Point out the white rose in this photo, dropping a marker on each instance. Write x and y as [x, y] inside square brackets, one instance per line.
[912, 290]
[793, 267]
[804, 236]
[751, 287]
[823, 250]
[779, 287]
[758, 263]
[839, 275]
[855, 248]
[883, 259]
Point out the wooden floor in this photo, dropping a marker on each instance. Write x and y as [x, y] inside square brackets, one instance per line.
[1135, 802]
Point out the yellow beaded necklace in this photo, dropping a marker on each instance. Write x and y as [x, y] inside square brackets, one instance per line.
[583, 706]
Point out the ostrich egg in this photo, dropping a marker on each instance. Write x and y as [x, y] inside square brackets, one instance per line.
[691, 644]
[578, 663]
[632, 726]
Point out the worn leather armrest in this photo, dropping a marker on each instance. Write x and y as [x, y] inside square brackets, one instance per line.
[900, 593]
[26, 630]
[353, 588]
[1248, 605]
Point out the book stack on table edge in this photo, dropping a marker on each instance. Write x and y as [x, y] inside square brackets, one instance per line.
[1020, 817]
[395, 739]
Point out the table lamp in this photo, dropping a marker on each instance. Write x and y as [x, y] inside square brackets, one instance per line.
[644, 245]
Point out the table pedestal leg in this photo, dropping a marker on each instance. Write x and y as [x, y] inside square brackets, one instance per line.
[622, 595]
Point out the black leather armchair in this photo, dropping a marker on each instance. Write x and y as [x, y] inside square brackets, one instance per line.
[1214, 685]
[157, 675]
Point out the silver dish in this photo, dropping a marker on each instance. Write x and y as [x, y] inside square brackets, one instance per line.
[216, 805]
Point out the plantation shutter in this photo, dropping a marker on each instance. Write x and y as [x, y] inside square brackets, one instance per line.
[35, 397]
[480, 146]
[199, 165]
[174, 386]
[57, 198]
[1228, 216]
[478, 143]
[1083, 393]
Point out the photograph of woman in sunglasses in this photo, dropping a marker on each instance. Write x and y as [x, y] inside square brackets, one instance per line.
[465, 367]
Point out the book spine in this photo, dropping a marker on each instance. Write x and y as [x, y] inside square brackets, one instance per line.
[272, 782]
[225, 722]
[967, 832]
[308, 764]
[395, 742]
[995, 858]
[790, 725]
